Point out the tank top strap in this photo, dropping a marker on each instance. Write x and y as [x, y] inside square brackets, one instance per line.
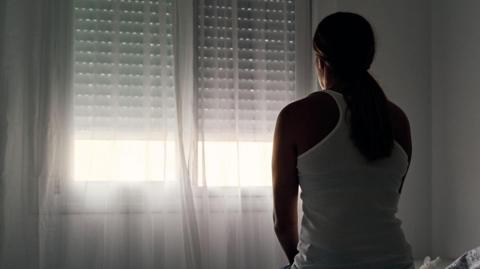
[338, 97]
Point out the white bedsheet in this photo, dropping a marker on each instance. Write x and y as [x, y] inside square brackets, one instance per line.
[441, 265]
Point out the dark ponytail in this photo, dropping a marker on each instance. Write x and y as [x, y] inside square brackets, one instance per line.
[346, 43]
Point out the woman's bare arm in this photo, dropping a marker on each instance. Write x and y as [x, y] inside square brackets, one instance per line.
[285, 184]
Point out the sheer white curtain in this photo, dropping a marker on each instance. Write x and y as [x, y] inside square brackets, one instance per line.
[35, 77]
[136, 134]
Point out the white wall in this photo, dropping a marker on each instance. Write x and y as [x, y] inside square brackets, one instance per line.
[455, 126]
[402, 66]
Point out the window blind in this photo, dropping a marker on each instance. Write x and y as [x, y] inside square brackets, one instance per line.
[123, 62]
[246, 66]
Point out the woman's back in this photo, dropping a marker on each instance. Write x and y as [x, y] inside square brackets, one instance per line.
[349, 203]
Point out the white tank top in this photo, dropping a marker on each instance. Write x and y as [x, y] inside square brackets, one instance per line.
[349, 204]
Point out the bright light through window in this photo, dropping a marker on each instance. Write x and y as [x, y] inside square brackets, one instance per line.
[235, 163]
[124, 160]
[219, 163]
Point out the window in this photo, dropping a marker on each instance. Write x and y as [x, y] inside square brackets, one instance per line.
[124, 90]
[246, 74]
[125, 93]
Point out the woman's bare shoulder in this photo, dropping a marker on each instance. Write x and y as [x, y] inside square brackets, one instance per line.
[319, 100]
[308, 120]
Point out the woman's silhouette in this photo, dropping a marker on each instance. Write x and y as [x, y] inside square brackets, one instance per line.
[348, 148]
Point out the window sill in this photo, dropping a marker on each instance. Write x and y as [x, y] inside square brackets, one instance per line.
[158, 198]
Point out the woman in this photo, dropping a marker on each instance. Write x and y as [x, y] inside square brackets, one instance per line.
[348, 148]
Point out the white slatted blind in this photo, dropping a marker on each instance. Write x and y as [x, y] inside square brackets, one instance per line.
[246, 66]
[123, 81]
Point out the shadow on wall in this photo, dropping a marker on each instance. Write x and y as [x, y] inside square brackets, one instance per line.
[3, 119]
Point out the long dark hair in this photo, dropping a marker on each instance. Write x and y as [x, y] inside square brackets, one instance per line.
[345, 42]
